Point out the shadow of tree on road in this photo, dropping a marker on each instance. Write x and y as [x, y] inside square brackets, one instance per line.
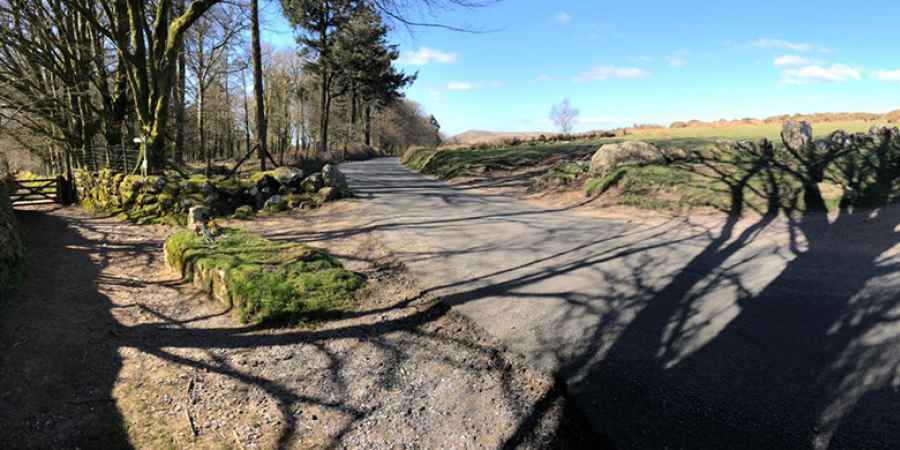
[803, 356]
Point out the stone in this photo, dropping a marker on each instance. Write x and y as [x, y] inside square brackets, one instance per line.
[275, 203]
[797, 136]
[188, 203]
[207, 188]
[243, 212]
[295, 182]
[295, 200]
[289, 176]
[215, 203]
[313, 183]
[611, 156]
[156, 185]
[332, 177]
[198, 216]
[329, 193]
[268, 185]
[188, 187]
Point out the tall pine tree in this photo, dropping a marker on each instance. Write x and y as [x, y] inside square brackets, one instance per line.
[366, 66]
[318, 22]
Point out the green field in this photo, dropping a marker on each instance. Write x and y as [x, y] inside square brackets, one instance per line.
[747, 132]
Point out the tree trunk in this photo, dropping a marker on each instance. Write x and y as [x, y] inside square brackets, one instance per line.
[201, 130]
[302, 131]
[367, 113]
[229, 123]
[180, 85]
[258, 86]
[246, 112]
[326, 112]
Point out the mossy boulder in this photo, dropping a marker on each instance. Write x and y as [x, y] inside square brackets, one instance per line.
[263, 280]
[276, 203]
[313, 183]
[612, 156]
[632, 153]
[333, 177]
[328, 194]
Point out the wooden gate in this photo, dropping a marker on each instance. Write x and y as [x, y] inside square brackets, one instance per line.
[38, 191]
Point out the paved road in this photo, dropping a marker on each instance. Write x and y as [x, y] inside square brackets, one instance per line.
[668, 336]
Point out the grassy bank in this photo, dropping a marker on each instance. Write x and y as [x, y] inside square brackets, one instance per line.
[473, 161]
[264, 281]
[716, 174]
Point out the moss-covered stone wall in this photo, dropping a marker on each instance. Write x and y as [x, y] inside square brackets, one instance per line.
[262, 280]
[167, 198]
[12, 248]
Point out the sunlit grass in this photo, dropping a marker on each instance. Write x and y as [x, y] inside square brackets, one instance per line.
[771, 131]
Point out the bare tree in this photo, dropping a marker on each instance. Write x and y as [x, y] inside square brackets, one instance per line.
[564, 116]
[207, 44]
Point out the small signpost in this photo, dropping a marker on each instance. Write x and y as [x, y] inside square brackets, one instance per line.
[140, 141]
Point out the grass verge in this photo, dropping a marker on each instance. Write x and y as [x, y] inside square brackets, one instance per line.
[472, 161]
[265, 281]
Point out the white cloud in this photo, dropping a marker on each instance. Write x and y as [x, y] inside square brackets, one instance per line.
[600, 73]
[460, 86]
[678, 59]
[466, 86]
[888, 75]
[783, 45]
[563, 18]
[545, 77]
[425, 55]
[790, 60]
[835, 72]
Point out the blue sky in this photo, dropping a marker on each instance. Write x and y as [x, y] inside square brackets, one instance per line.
[648, 62]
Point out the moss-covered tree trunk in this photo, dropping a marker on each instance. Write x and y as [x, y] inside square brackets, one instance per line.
[150, 58]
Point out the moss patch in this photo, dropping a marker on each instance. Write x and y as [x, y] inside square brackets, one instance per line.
[263, 280]
[560, 175]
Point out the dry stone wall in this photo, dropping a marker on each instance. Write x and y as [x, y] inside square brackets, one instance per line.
[12, 248]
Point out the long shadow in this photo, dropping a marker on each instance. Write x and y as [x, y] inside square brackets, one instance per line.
[61, 343]
[798, 366]
[59, 347]
[805, 360]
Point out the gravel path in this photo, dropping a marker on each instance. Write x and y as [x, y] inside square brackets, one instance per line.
[752, 335]
[105, 348]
